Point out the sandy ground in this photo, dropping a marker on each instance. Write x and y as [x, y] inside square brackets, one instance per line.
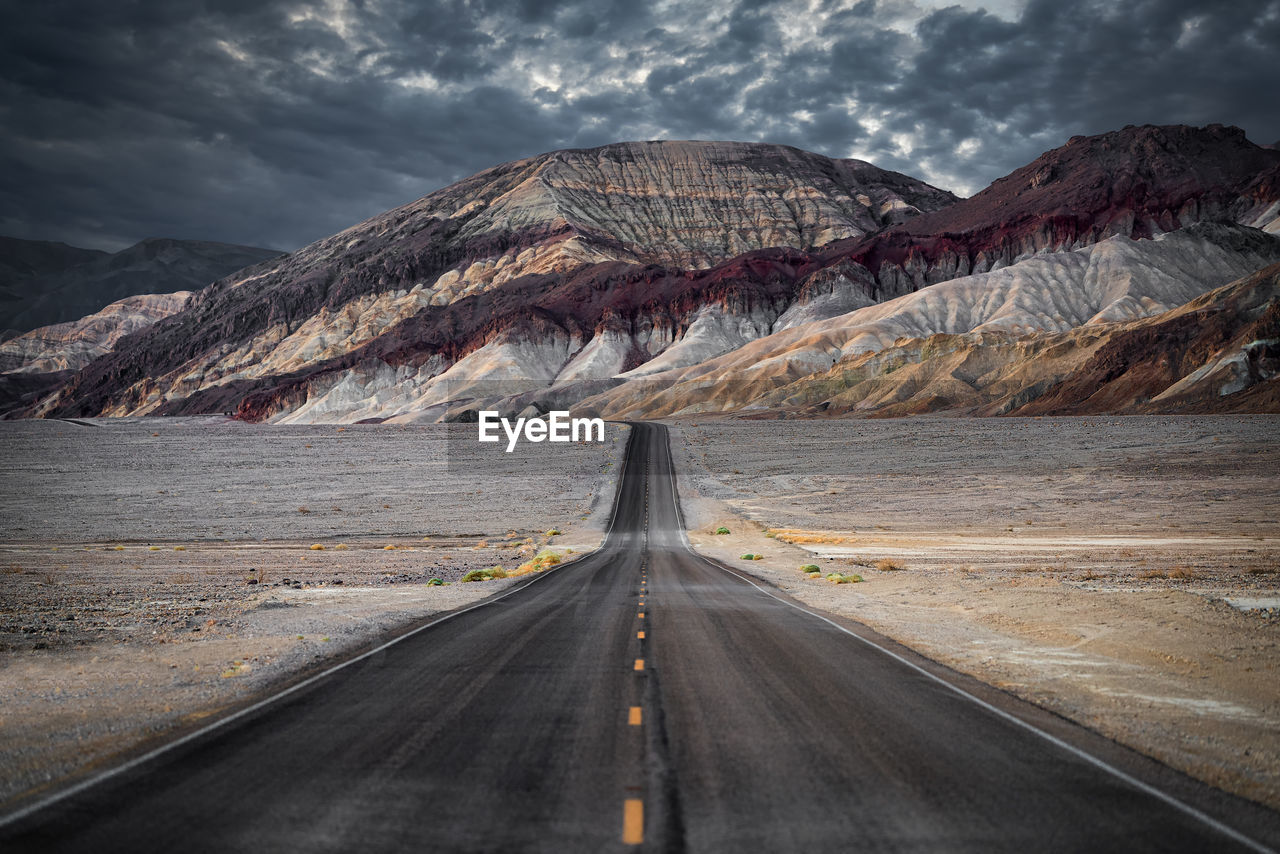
[1121, 572]
[156, 571]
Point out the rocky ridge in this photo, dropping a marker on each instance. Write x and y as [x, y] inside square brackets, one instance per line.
[605, 274]
[453, 260]
[49, 283]
[76, 343]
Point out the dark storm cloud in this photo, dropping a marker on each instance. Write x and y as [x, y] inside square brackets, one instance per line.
[276, 122]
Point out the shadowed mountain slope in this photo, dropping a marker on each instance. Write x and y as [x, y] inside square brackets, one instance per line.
[47, 283]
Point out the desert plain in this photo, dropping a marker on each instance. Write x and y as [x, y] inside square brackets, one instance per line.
[157, 572]
[1122, 572]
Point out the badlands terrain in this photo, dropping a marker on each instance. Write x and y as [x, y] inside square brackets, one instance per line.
[1125, 272]
[1122, 572]
[158, 571]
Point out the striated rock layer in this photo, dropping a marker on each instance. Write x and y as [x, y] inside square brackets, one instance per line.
[1219, 353]
[74, 344]
[617, 277]
[454, 264]
[1113, 281]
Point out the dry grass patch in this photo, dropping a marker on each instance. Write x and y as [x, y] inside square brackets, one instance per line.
[890, 565]
[541, 563]
[485, 574]
[804, 538]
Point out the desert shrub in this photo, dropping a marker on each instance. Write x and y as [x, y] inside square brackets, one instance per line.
[747, 556]
[485, 574]
[341, 547]
[434, 582]
[179, 548]
[837, 578]
[316, 547]
[889, 565]
[1183, 573]
[553, 532]
[543, 561]
[810, 567]
[722, 530]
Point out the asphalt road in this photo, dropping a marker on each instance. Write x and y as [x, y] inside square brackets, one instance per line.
[642, 698]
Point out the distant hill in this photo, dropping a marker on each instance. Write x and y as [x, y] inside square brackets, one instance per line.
[42, 283]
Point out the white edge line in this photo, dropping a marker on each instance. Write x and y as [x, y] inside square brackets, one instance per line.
[83, 785]
[1187, 809]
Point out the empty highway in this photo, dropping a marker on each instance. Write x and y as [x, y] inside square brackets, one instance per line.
[641, 698]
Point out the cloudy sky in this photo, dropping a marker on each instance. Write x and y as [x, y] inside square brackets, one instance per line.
[277, 122]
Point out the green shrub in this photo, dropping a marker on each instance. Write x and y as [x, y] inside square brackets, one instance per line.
[434, 582]
[722, 530]
[837, 578]
[810, 567]
[747, 556]
[553, 532]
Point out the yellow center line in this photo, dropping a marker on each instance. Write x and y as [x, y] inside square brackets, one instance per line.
[640, 635]
[632, 821]
[642, 615]
[639, 664]
[633, 717]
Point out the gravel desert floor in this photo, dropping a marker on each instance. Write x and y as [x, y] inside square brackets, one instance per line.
[1123, 572]
[154, 572]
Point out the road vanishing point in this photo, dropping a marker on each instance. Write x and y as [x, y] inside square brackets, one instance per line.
[641, 698]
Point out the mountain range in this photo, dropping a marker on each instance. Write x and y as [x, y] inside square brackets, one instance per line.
[1127, 272]
[43, 283]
